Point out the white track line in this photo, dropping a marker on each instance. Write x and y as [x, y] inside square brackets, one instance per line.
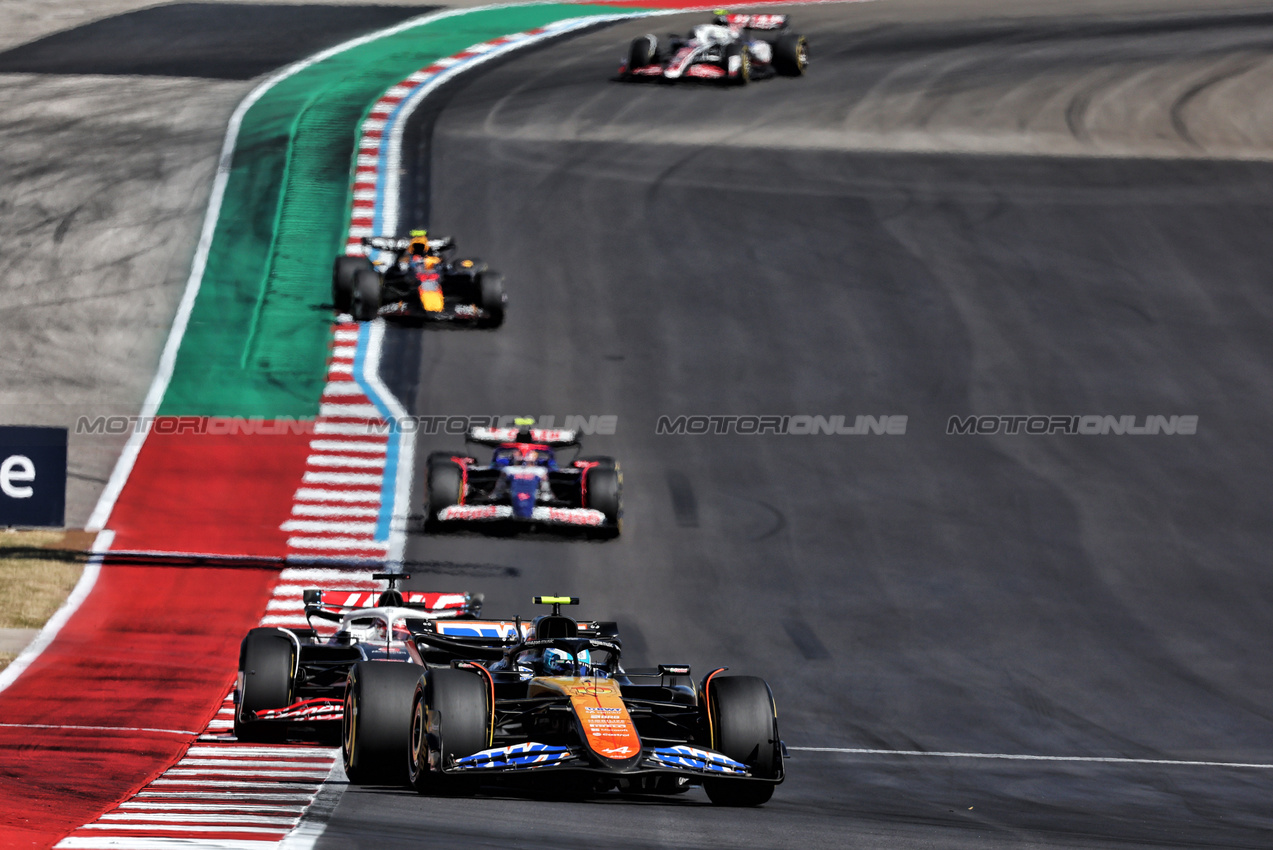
[306, 509]
[346, 462]
[122, 843]
[1021, 757]
[312, 494]
[347, 446]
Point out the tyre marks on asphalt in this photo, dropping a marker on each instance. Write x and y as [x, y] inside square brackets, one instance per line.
[339, 511]
[222, 793]
[806, 640]
[684, 503]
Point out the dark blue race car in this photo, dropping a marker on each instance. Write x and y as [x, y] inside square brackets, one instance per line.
[524, 484]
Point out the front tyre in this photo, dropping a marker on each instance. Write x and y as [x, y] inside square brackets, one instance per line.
[604, 492]
[642, 52]
[791, 55]
[377, 720]
[450, 719]
[745, 728]
[343, 272]
[737, 63]
[492, 299]
[365, 302]
[446, 488]
[267, 667]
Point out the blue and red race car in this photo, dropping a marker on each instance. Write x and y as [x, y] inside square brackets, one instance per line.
[524, 484]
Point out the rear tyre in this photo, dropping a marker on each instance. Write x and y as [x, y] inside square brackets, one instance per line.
[493, 299]
[267, 665]
[791, 55]
[642, 51]
[366, 295]
[450, 719]
[745, 726]
[343, 272]
[446, 487]
[377, 721]
[605, 494]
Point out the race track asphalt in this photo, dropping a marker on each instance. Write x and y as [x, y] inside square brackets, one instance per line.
[668, 253]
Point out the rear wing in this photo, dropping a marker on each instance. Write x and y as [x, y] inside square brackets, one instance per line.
[758, 22]
[402, 243]
[507, 631]
[332, 604]
[445, 641]
[555, 437]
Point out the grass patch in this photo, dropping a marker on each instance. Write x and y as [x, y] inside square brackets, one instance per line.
[32, 587]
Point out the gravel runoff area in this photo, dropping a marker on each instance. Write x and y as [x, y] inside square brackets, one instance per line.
[37, 571]
[104, 179]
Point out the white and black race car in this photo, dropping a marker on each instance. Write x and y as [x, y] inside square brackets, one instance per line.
[291, 681]
[733, 49]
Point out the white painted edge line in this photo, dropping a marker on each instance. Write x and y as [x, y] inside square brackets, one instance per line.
[1023, 757]
[83, 587]
[168, 359]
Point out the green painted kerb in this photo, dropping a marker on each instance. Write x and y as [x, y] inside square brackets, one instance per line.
[257, 339]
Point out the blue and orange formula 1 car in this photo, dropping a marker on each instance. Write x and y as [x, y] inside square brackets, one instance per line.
[524, 484]
[412, 279]
[549, 705]
[291, 682]
[732, 49]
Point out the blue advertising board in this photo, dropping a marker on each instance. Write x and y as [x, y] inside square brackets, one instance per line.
[32, 476]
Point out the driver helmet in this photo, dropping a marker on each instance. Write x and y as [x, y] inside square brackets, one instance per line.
[557, 662]
[721, 16]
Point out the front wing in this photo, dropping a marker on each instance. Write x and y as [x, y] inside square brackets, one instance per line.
[318, 710]
[411, 308]
[542, 514]
[683, 760]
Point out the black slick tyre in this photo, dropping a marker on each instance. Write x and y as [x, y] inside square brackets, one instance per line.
[642, 51]
[450, 719]
[745, 728]
[791, 55]
[267, 666]
[446, 487]
[365, 300]
[377, 721]
[492, 299]
[604, 492]
[343, 271]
